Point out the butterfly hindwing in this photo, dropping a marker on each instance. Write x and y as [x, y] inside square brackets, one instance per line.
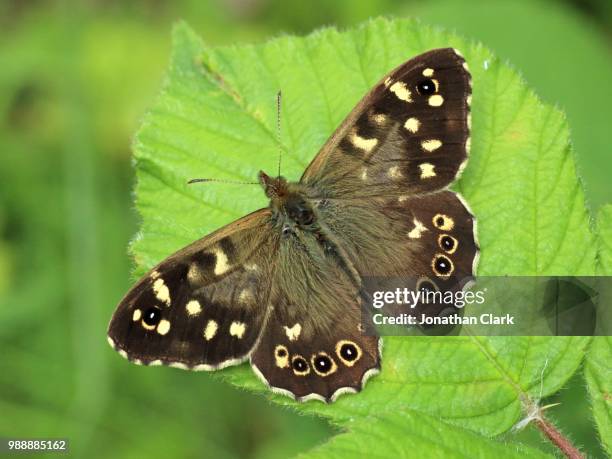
[312, 365]
[313, 346]
[203, 307]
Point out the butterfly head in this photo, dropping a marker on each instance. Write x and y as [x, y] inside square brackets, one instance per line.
[290, 207]
[274, 187]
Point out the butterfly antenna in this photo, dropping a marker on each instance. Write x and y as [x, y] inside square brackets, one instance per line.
[278, 129]
[233, 182]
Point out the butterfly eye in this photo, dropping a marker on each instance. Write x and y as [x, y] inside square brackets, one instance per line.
[152, 316]
[304, 217]
[426, 87]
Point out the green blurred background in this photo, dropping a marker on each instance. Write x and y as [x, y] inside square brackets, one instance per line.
[75, 78]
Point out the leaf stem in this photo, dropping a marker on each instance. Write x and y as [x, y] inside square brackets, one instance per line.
[557, 438]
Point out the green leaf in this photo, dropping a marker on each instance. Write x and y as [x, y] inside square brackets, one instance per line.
[597, 372]
[605, 240]
[216, 117]
[407, 433]
[598, 368]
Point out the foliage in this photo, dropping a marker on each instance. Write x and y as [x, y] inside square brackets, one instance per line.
[216, 116]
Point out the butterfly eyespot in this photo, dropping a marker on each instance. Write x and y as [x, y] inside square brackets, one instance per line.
[281, 356]
[282, 352]
[442, 266]
[348, 352]
[323, 364]
[151, 317]
[443, 222]
[447, 243]
[426, 285]
[300, 365]
[426, 87]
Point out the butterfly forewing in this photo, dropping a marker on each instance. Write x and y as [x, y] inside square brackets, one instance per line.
[409, 134]
[203, 307]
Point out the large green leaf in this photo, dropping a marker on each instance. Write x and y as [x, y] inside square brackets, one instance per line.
[411, 434]
[598, 368]
[216, 117]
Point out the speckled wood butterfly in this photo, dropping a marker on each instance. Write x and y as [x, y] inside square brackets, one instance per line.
[281, 287]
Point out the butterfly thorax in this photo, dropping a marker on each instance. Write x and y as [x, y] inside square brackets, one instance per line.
[291, 208]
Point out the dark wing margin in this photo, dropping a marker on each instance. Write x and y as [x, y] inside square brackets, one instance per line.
[202, 308]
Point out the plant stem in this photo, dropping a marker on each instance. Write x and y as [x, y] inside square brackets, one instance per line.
[557, 438]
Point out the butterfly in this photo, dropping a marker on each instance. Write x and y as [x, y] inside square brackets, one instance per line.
[282, 286]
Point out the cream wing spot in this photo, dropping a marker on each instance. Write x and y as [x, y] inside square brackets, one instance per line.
[379, 118]
[293, 333]
[412, 125]
[427, 170]
[211, 330]
[163, 327]
[136, 315]
[431, 145]
[443, 222]
[237, 329]
[193, 307]
[194, 274]
[468, 145]
[246, 297]
[161, 291]
[281, 356]
[365, 144]
[394, 172]
[401, 91]
[388, 81]
[364, 174]
[418, 229]
[428, 72]
[436, 100]
[222, 263]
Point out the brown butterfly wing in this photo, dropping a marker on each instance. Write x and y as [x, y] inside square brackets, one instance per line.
[205, 306]
[409, 134]
[313, 345]
[381, 178]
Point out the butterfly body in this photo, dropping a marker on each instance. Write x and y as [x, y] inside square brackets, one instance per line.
[283, 286]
